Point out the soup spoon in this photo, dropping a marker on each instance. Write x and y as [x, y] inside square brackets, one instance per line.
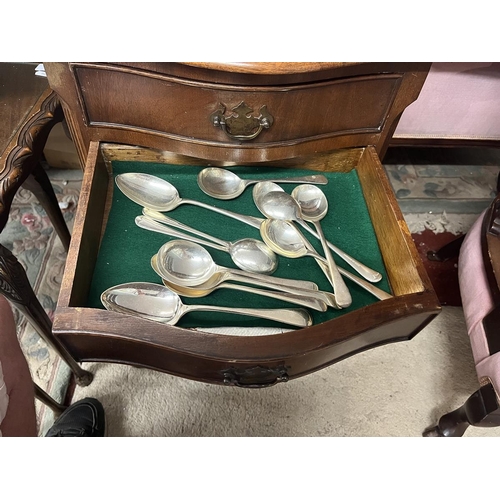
[158, 194]
[281, 206]
[248, 254]
[313, 208]
[285, 239]
[226, 185]
[189, 264]
[207, 288]
[158, 303]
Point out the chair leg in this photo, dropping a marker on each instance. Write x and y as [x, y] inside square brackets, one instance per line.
[448, 251]
[48, 400]
[480, 410]
[15, 286]
[39, 184]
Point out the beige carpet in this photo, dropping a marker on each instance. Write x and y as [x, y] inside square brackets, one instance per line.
[393, 390]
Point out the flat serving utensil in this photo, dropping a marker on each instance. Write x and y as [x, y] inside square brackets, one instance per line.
[158, 303]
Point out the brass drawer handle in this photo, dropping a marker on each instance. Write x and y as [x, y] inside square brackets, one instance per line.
[240, 125]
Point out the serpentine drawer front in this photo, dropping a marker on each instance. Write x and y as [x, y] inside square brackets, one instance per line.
[175, 118]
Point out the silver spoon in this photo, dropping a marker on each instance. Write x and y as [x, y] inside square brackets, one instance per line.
[248, 254]
[315, 208]
[207, 288]
[189, 264]
[275, 210]
[226, 185]
[158, 303]
[283, 237]
[158, 194]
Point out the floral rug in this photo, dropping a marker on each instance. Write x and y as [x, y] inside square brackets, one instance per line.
[29, 235]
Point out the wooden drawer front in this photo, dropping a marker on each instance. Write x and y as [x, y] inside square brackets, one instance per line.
[180, 109]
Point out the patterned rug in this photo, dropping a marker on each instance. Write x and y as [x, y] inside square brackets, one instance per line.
[29, 235]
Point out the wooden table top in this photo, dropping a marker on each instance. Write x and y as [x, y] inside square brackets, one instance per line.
[19, 91]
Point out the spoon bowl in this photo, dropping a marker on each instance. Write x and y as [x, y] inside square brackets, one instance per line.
[312, 201]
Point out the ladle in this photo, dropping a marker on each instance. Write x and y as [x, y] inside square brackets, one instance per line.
[279, 206]
[189, 264]
[158, 194]
[285, 239]
[158, 303]
[207, 288]
[248, 254]
[226, 185]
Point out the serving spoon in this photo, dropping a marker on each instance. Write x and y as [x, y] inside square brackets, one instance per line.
[248, 254]
[189, 264]
[155, 193]
[207, 288]
[281, 206]
[226, 185]
[158, 303]
[285, 239]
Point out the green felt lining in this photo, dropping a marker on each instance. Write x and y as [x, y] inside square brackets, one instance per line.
[126, 250]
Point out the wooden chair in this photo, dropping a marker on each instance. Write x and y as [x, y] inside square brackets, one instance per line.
[479, 281]
[29, 109]
[330, 117]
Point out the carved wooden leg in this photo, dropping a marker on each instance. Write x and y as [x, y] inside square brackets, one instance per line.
[46, 399]
[15, 286]
[481, 410]
[448, 251]
[39, 184]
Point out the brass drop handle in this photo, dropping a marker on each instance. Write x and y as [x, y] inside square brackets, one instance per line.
[240, 125]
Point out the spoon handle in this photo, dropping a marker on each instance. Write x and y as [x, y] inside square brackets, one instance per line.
[369, 287]
[342, 294]
[247, 219]
[309, 179]
[295, 317]
[145, 222]
[160, 217]
[271, 281]
[362, 269]
[314, 303]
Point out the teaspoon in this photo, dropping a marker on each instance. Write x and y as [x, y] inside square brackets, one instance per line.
[248, 254]
[226, 185]
[158, 303]
[283, 237]
[281, 207]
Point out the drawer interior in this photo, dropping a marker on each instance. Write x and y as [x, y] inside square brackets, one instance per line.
[126, 250]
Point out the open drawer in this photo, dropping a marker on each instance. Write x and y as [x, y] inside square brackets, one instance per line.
[254, 359]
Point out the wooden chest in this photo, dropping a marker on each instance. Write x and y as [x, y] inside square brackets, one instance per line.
[329, 117]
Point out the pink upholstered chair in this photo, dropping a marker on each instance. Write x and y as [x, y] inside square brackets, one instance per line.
[479, 280]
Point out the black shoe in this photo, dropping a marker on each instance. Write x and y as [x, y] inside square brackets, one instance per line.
[84, 418]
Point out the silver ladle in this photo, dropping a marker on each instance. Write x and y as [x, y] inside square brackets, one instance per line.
[226, 185]
[158, 303]
[248, 254]
[285, 239]
[313, 302]
[274, 209]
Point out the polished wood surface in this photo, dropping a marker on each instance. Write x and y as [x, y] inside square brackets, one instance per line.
[327, 117]
[168, 106]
